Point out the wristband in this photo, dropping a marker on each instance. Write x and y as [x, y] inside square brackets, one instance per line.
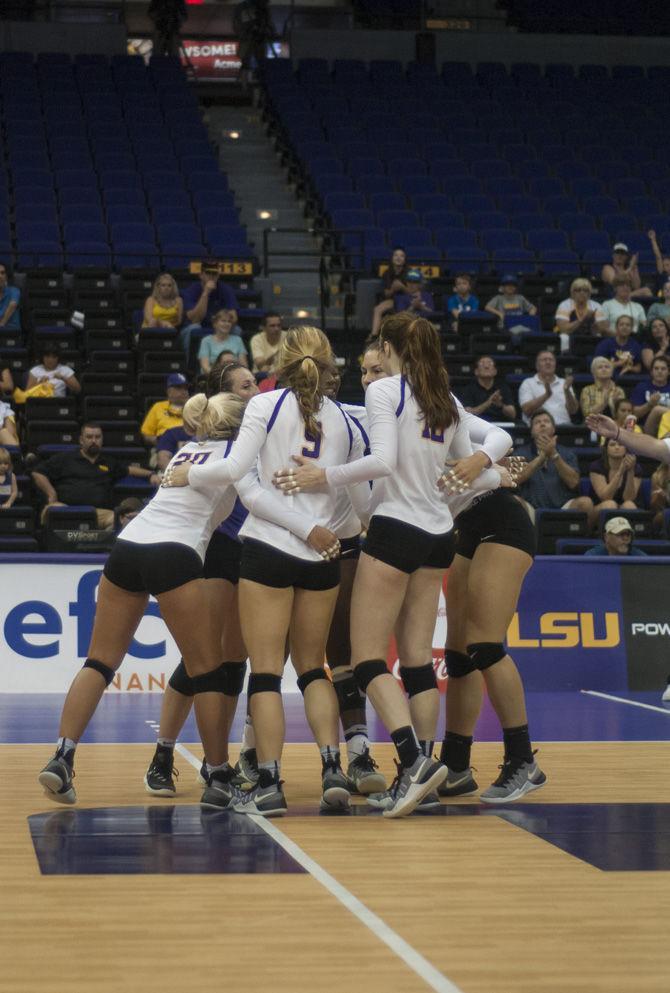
[554, 456]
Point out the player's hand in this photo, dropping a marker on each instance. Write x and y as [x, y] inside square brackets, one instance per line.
[459, 474]
[602, 425]
[176, 476]
[307, 476]
[507, 480]
[324, 542]
[515, 464]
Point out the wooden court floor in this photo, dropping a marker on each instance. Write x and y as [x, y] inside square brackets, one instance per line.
[492, 908]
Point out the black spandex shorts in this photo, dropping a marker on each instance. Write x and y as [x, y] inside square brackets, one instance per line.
[264, 564]
[222, 558]
[408, 548]
[496, 518]
[350, 548]
[156, 568]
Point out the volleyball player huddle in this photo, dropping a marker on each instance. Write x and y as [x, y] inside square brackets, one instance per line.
[302, 580]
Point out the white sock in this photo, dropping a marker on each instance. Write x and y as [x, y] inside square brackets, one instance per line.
[357, 745]
[248, 736]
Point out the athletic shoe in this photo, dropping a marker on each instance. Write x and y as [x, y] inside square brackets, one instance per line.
[335, 787]
[158, 778]
[203, 775]
[384, 800]
[515, 780]
[56, 778]
[666, 696]
[413, 784]
[246, 770]
[220, 792]
[458, 784]
[268, 801]
[363, 777]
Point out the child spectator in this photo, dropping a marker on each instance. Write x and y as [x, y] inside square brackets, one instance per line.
[625, 264]
[8, 488]
[486, 398]
[624, 416]
[600, 396]
[417, 299]
[662, 264]
[222, 340]
[462, 301]
[60, 377]
[10, 298]
[163, 308]
[579, 314]
[617, 540]
[623, 351]
[657, 341]
[393, 282]
[622, 303]
[651, 399]
[615, 478]
[661, 308]
[508, 302]
[548, 391]
[168, 413]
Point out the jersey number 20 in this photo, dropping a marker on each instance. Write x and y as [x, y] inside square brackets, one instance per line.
[195, 458]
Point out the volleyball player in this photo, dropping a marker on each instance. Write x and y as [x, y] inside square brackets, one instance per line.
[222, 572]
[414, 428]
[161, 552]
[285, 587]
[641, 444]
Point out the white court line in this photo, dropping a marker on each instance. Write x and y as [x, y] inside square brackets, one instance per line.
[631, 703]
[416, 962]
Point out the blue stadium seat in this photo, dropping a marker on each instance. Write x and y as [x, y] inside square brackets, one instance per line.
[410, 185]
[488, 219]
[520, 260]
[589, 186]
[574, 221]
[216, 199]
[592, 245]
[397, 218]
[458, 187]
[600, 205]
[546, 239]
[167, 214]
[362, 218]
[532, 169]
[490, 168]
[224, 234]
[546, 186]
[495, 239]
[173, 234]
[73, 195]
[407, 167]
[444, 219]
[76, 232]
[560, 261]
[89, 213]
[527, 222]
[444, 237]
[386, 201]
[88, 253]
[343, 201]
[517, 204]
[462, 258]
[427, 203]
[364, 166]
[474, 203]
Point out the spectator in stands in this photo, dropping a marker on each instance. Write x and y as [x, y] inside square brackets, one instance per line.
[8, 488]
[10, 298]
[615, 478]
[462, 301]
[579, 314]
[625, 264]
[600, 395]
[222, 340]
[659, 500]
[8, 431]
[417, 299]
[662, 265]
[49, 370]
[86, 477]
[621, 303]
[163, 308]
[166, 413]
[623, 351]
[651, 399]
[394, 281]
[617, 540]
[201, 301]
[266, 343]
[661, 308]
[508, 302]
[657, 341]
[486, 398]
[550, 477]
[624, 416]
[126, 511]
[548, 391]
[6, 380]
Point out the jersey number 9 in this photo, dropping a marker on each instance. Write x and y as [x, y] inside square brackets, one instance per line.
[437, 436]
[312, 446]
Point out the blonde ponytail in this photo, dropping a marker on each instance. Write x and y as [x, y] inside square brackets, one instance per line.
[304, 356]
[217, 417]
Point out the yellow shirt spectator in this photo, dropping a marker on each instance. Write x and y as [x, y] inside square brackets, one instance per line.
[165, 414]
[664, 425]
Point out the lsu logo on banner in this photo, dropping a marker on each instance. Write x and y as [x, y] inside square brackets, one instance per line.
[567, 629]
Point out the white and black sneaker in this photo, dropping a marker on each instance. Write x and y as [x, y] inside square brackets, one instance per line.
[363, 775]
[458, 783]
[414, 783]
[246, 770]
[220, 792]
[335, 785]
[56, 779]
[159, 777]
[268, 801]
[517, 777]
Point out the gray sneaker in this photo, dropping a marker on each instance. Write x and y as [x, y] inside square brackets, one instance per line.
[363, 775]
[458, 784]
[515, 780]
[246, 770]
[336, 794]
[414, 784]
[384, 800]
[268, 801]
[56, 779]
[220, 792]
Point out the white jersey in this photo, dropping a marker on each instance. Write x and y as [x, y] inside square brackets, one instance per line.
[273, 430]
[407, 459]
[482, 435]
[346, 522]
[184, 515]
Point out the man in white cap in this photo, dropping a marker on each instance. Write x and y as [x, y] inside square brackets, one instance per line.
[617, 539]
[621, 303]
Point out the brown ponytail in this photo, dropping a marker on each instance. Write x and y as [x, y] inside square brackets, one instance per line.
[304, 356]
[417, 344]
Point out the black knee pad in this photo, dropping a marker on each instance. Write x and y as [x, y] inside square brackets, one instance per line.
[348, 694]
[366, 671]
[263, 682]
[458, 664]
[233, 677]
[181, 681]
[104, 670]
[484, 654]
[418, 679]
[309, 677]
